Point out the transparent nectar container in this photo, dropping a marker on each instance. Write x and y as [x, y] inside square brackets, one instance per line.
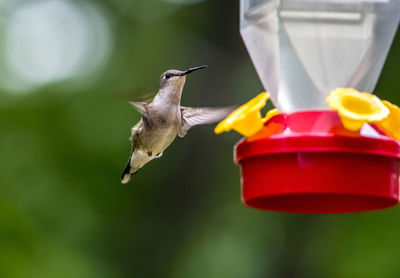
[303, 49]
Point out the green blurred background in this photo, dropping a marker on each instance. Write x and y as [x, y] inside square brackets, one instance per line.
[64, 142]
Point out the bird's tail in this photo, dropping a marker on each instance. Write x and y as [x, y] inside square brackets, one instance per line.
[128, 173]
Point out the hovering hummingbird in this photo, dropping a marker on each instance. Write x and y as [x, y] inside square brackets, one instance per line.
[163, 119]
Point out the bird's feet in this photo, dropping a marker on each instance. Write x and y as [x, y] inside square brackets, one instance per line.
[150, 153]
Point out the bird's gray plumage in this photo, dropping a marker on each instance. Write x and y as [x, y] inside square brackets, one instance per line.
[163, 119]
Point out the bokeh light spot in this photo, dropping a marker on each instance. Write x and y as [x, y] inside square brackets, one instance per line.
[49, 41]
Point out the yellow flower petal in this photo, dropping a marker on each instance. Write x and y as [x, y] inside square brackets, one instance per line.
[356, 108]
[391, 124]
[270, 114]
[247, 118]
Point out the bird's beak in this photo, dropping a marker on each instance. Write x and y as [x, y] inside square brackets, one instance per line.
[193, 69]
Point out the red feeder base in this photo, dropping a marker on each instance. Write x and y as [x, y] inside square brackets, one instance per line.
[306, 162]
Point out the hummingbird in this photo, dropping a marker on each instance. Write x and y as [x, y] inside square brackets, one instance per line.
[163, 119]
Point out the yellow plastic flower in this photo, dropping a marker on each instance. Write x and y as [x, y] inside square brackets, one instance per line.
[270, 114]
[247, 118]
[356, 108]
[391, 125]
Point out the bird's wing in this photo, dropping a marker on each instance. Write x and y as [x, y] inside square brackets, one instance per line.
[140, 107]
[138, 94]
[143, 109]
[200, 116]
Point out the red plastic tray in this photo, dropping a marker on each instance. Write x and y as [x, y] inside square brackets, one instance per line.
[307, 162]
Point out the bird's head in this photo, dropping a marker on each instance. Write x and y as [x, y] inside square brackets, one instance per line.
[175, 79]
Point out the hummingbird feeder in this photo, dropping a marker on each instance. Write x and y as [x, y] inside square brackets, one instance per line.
[327, 150]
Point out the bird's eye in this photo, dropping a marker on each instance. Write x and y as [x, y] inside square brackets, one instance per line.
[168, 75]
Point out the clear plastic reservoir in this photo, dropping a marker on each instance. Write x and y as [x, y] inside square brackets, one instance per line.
[303, 49]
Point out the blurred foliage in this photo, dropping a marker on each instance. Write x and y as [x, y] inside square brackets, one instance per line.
[64, 212]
